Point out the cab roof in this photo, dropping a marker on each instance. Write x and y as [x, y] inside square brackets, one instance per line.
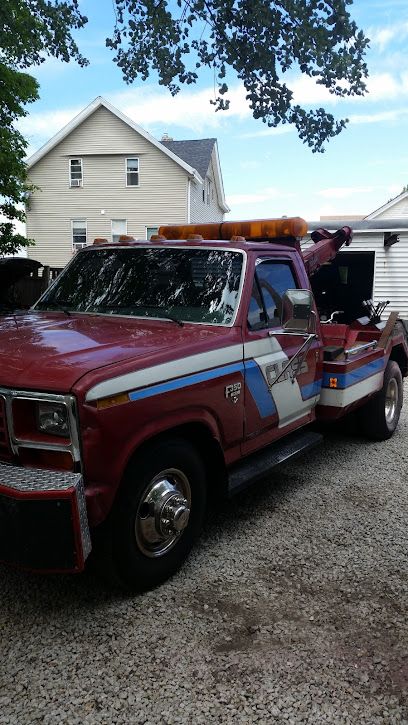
[282, 232]
[241, 245]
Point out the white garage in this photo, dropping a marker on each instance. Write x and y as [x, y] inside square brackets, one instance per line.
[376, 263]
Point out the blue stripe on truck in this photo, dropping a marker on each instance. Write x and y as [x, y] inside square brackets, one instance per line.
[259, 389]
[344, 380]
[186, 381]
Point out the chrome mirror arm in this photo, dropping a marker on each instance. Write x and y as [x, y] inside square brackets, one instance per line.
[295, 360]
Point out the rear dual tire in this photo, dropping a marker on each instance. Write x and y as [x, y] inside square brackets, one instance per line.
[379, 417]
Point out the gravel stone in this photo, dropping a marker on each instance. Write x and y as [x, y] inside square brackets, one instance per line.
[291, 609]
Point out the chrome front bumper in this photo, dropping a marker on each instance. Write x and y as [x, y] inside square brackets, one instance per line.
[43, 519]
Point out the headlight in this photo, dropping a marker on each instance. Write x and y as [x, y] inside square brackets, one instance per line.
[52, 418]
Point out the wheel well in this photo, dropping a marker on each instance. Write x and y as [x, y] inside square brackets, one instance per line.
[399, 356]
[208, 448]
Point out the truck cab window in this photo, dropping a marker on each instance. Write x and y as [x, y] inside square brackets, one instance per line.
[272, 281]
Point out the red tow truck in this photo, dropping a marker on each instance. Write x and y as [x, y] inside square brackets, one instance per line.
[151, 374]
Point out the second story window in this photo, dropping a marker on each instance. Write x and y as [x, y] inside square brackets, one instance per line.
[208, 191]
[132, 172]
[75, 172]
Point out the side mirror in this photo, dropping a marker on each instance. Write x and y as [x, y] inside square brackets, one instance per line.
[297, 311]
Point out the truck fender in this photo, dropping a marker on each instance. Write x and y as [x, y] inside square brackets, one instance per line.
[170, 423]
[197, 425]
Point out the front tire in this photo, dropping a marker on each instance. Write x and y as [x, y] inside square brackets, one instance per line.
[379, 417]
[158, 514]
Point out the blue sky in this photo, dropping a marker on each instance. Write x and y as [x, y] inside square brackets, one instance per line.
[267, 172]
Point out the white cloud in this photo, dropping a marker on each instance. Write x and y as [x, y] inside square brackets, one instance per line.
[278, 131]
[385, 86]
[380, 86]
[381, 117]
[250, 164]
[41, 125]
[189, 109]
[382, 37]
[257, 197]
[394, 190]
[343, 192]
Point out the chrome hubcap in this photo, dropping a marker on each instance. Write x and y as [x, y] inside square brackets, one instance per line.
[163, 512]
[391, 400]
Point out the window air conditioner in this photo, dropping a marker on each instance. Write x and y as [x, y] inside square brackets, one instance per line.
[76, 182]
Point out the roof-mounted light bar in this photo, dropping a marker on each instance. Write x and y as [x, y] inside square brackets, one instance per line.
[253, 229]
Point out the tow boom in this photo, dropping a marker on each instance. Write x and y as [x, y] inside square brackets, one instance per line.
[326, 246]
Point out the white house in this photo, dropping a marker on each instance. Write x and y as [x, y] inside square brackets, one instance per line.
[103, 176]
[378, 256]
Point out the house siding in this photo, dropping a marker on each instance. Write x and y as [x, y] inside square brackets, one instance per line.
[399, 210]
[200, 211]
[103, 141]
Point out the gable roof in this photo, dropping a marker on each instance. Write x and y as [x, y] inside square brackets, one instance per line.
[85, 113]
[387, 206]
[196, 152]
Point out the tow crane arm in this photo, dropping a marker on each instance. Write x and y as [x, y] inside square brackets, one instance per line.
[326, 246]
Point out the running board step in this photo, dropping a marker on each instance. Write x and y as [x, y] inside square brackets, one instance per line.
[259, 464]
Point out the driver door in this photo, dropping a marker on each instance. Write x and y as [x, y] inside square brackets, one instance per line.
[276, 400]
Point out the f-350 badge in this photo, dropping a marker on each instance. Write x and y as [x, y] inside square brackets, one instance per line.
[233, 391]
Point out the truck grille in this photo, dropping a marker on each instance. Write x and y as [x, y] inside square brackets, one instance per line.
[5, 450]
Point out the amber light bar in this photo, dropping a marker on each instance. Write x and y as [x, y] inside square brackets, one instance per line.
[283, 228]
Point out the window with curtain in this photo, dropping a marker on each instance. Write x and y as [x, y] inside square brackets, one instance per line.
[132, 172]
[119, 228]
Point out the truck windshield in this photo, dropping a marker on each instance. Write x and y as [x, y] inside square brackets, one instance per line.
[191, 285]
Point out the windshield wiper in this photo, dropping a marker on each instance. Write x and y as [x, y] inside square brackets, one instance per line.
[54, 308]
[173, 319]
[165, 316]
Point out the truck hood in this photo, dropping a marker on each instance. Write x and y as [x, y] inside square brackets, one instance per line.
[51, 351]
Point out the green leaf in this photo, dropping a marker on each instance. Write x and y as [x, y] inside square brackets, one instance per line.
[257, 41]
[30, 30]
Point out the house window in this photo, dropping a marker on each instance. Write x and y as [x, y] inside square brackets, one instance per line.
[75, 172]
[119, 228]
[132, 172]
[79, 234]
[208, 191]
[150, 231]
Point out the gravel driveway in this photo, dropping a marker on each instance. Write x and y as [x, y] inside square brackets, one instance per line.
[292, 608]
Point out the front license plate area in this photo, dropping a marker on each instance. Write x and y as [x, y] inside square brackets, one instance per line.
[38, 533]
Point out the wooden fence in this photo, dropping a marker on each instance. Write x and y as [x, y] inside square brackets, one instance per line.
[29, 289]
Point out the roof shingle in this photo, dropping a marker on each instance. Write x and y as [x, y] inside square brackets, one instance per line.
[196, 153]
